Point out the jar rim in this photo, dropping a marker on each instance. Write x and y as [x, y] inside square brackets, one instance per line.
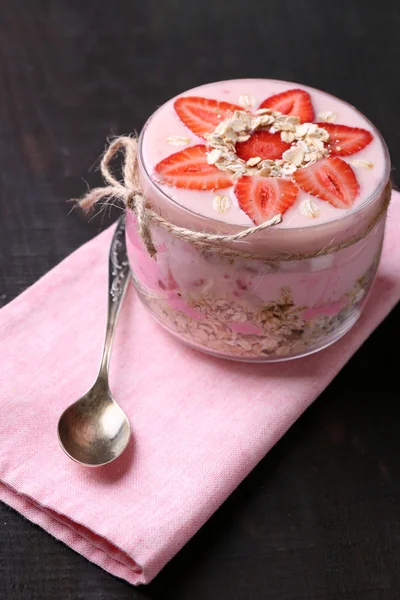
[236, 228]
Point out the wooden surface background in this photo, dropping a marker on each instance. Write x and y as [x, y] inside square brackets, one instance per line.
[319, 518]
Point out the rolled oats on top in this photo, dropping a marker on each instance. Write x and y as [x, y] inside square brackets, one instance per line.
[307, 139]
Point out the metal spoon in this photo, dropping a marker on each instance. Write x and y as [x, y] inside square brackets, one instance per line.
[94, 430]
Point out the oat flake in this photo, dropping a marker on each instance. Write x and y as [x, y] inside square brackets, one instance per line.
[247, 101]
[294, 156]
[253, 161]
[221, 204]
[309, 209]
[328, 116]
[366, 164]
[178, 140]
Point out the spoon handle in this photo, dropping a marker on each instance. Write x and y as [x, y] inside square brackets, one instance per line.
[118, 278]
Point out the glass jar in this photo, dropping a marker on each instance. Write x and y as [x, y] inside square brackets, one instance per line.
[277, 306]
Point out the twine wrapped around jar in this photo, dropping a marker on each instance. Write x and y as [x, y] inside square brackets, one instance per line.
[130, 193]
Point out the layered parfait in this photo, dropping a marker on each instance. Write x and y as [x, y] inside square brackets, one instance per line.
[232, 155]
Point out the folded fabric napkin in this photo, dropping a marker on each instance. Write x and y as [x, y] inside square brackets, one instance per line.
[199, 424]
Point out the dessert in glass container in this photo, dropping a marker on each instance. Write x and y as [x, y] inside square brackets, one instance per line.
[233, 155]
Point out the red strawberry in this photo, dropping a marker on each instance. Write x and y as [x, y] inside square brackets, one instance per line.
[262, 198]
[346, 140]
[293, 102]
[330, 179]
[202, 115]
[263, 144]
[189, 169]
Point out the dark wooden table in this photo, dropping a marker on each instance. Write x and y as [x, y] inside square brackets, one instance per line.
[319, 518]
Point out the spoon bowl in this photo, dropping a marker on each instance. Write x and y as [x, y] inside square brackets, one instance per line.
[94, 430]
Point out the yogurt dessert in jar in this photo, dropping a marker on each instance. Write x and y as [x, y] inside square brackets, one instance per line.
[227, 157]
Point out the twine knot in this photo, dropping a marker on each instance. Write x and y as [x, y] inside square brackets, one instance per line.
[129, 192]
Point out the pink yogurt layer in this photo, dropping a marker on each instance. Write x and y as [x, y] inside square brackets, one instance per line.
[165, 123]
[179, 271]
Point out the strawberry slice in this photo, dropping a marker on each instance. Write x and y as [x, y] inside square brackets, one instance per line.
[292, 102]
[262, 198]
[202, 115]
[264, 144]
[189, 169]
[346, 140]
[330, 179]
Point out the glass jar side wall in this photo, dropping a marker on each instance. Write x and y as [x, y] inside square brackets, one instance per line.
[250, 309]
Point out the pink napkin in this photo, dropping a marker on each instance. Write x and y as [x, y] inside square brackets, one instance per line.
[199, 424]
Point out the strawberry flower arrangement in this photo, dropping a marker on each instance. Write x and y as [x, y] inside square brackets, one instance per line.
[266, 155]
